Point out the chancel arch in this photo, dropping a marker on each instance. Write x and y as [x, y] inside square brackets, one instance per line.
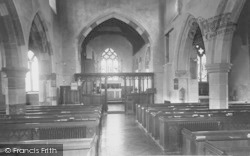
[129, 29]
[109, 45]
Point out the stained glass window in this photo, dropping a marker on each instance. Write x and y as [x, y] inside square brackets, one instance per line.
[201, 62]
[109, 62]
[32, 79]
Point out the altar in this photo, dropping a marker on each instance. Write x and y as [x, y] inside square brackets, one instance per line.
[114, 94]
[114, 90]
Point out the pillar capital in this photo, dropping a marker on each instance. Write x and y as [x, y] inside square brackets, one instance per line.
[15, 72]
[218, 67]
[15, 77]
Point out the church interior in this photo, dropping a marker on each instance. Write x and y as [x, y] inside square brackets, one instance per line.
[124, 77]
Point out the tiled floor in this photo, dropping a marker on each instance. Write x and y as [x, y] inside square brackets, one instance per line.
[121, 136]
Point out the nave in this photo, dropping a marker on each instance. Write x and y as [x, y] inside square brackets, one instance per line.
[180, 70]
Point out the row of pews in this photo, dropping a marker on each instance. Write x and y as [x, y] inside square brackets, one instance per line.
[75, 127]
[194, 129]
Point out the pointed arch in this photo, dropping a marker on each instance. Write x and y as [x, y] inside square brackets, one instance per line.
[13, 70]
[185, 40]
[39, 25]
[11, 34]
[220, 46]
[40, 45]
[131, 22]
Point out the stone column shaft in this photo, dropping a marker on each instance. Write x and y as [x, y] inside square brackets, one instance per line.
[218, 85]
[15, 90]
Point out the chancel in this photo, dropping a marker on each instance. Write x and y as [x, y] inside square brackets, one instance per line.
[124, 77]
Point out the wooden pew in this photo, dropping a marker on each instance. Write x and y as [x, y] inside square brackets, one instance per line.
[150, 120]
[82, 136]
[48, 124]
[143, 111]
[70, 147]
[153, 121]
[234, 110]
[140, 108]
[59, 107]
[233, 148]
[232, 142]
[51, 115]
[59, 110]
[143, 107]
[210, 149]
[50, 130]
[52, 118]
[146, 117]
[170, 128]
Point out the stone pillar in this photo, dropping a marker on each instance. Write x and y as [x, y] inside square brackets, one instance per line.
[15, 90]
[53, 89]
[43, 90]
[218, 85]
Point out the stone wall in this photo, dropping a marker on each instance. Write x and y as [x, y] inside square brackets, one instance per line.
[140, 59]
[239, 76]
[119, 44]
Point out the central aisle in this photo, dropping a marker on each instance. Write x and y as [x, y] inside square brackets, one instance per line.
[121, 136]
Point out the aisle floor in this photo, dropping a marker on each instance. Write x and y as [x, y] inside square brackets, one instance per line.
[121, 136]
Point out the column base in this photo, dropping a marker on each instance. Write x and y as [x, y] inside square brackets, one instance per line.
[218, 104]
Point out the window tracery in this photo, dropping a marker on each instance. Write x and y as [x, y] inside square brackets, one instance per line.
[109, 62]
